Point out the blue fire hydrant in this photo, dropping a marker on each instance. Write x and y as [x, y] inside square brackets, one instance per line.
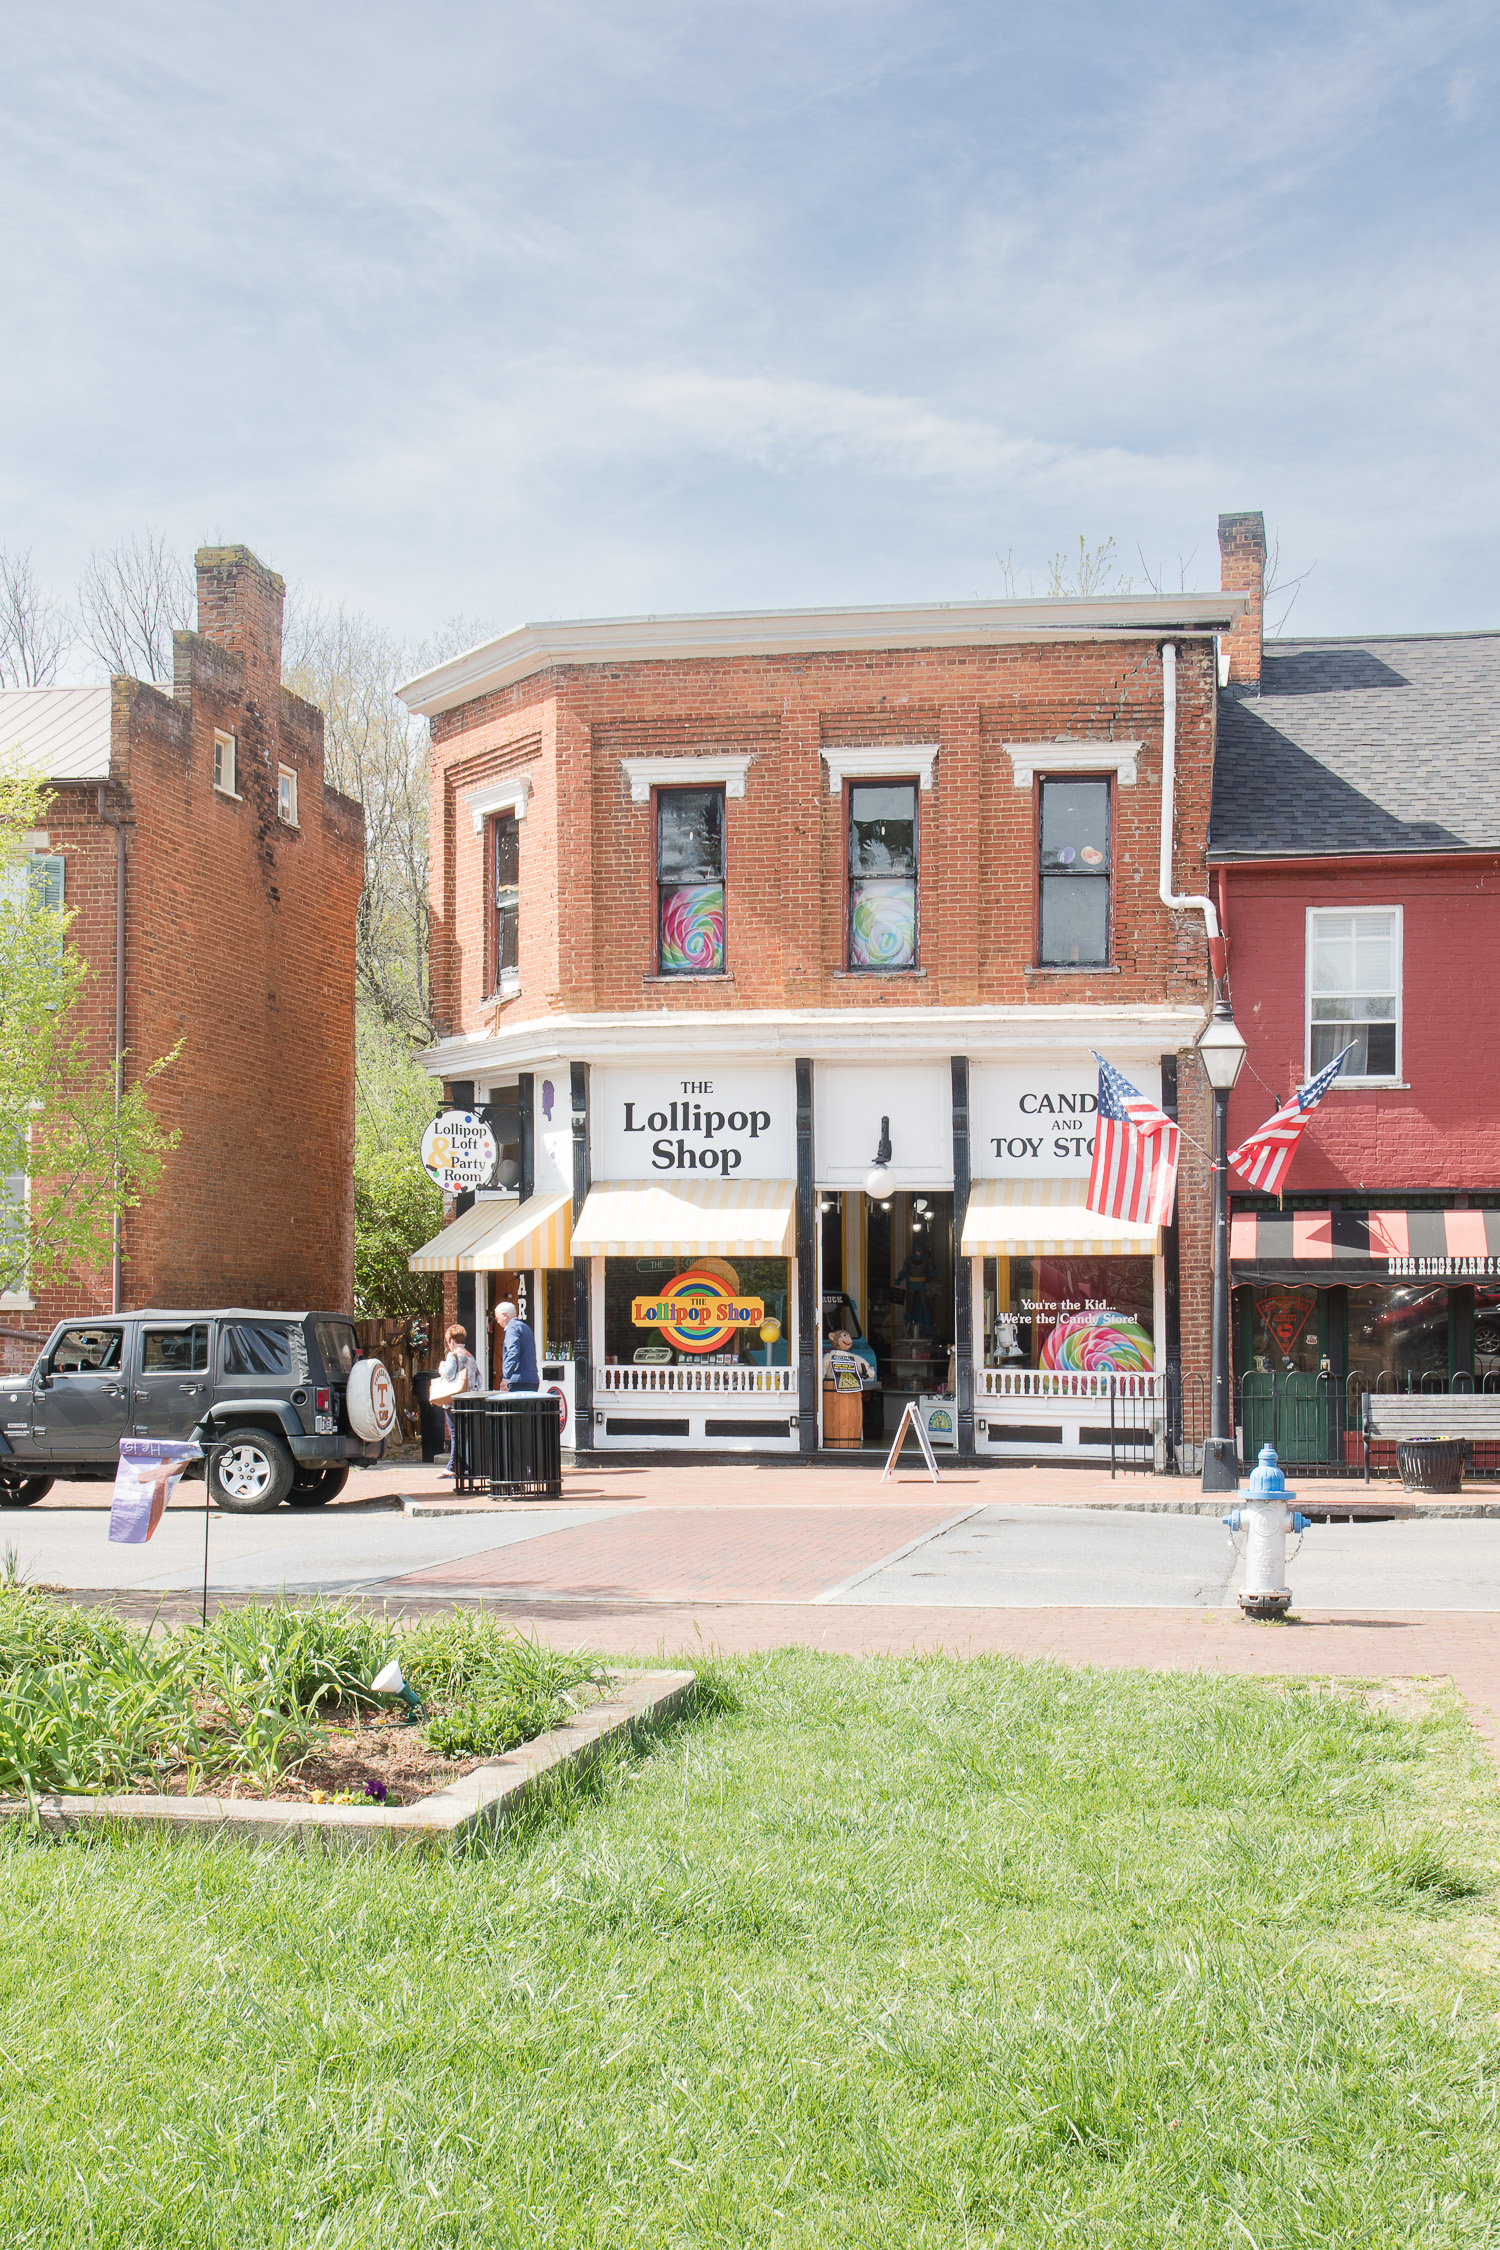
[1266, 1517]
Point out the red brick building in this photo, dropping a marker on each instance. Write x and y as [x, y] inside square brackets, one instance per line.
[718, 901]
[196, 824]
[1355, 848]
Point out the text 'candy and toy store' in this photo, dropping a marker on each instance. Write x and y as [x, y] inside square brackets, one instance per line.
[688, 1241]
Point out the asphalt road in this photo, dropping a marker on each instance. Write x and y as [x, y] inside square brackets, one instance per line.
[994, 1557]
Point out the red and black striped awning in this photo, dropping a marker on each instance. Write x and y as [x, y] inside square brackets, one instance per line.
[1325, 1249]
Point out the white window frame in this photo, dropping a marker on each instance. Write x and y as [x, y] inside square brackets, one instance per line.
[226, 752]
[1345, 1078]
[17, 1300]
[287, 773]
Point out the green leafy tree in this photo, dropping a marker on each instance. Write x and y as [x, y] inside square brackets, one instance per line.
[396, 1206]
[75, 1150]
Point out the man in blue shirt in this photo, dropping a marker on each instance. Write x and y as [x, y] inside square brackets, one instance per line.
[518, 1351]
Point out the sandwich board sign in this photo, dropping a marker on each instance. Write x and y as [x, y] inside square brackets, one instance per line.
[911, 1420]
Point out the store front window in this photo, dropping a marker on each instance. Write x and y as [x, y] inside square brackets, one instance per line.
[697, 1311]
[1399, 1336]
[1070, 1315]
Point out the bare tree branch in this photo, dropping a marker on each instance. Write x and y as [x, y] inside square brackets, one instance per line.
[33, 628]
[130, 598]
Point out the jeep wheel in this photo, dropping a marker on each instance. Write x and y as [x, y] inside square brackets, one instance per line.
[26, 1493]
[310, 1491]
[249, 1472]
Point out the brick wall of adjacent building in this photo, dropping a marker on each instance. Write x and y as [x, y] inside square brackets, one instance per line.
[239, 952]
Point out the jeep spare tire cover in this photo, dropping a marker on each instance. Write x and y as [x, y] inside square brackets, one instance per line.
[372, 1401]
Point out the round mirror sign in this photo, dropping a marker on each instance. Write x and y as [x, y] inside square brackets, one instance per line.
[458, 1150]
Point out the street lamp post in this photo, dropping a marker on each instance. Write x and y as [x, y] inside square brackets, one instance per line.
[1222, 1051]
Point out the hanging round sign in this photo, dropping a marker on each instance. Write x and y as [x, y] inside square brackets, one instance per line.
[458, 1151]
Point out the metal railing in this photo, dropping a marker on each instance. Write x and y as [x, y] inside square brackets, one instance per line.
[679, 1382]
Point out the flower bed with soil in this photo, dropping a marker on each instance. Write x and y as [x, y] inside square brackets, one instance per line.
[269, 1704]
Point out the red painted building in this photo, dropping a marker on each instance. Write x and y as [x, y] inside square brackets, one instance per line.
[1355, 847]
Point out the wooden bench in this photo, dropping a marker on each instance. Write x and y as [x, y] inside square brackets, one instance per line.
[1432, 1414]
[1393, 1418]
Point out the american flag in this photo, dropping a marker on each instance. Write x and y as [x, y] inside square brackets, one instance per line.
[1265, 1159]
[1134, 1173]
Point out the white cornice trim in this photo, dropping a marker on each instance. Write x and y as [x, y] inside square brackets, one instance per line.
[1128, 1033]
[1029, 758]
[853, 761]
[787, 632]
[704, 769]
[510, 795]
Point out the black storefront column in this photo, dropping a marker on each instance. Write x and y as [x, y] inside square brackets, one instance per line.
[1460, 1333]
[963, 1275]
[526, 1105]
[461, 1096]
[1170, 1352]
[583, 1380]
[806, 1245]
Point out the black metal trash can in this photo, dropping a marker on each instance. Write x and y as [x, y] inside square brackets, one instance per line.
[508, 1444]
[429, 1417]
[1432, 1464]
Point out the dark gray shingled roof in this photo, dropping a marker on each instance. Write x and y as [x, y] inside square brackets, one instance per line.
[1368, 745]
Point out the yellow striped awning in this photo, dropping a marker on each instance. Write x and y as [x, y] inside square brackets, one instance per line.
[648, 1218]
[1046, 1218]
[494, 1237]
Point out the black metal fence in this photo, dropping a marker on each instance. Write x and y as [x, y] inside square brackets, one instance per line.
[1315, 1422]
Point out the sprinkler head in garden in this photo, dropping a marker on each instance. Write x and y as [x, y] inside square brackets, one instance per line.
[392, 1681]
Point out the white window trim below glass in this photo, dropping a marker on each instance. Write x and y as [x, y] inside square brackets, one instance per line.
[854, 761]
[1028, 759]
[1315, 914]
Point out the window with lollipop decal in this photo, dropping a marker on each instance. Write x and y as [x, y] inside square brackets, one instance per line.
[690, 882]
[882, 875]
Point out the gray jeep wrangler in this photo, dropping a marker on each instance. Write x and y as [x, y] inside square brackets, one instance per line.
[263, 1393]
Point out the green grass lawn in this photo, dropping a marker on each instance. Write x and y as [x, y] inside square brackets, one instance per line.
[883, 1952]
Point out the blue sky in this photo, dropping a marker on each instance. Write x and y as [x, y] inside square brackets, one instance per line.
[531, 311]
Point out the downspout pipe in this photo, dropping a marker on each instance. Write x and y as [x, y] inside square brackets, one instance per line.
[113, 820]
[1177, 901]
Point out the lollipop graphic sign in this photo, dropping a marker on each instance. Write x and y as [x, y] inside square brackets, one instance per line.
[1095, 1344]
[696, 1313]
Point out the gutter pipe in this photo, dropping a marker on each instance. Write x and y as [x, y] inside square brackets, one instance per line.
[1179, 903]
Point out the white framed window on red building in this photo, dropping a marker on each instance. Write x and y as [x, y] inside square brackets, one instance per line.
[1354, 992]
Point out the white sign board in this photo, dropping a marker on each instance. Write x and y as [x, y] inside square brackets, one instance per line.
[458, 1151]
[694, 1123]
[1036, 1121]
[849, 1100]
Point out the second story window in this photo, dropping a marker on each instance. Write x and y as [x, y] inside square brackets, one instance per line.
[224, 749]
[882, 874]
[690, 882]
[506, 900]
[1073, 874]
[286, 795]
[1354, 991]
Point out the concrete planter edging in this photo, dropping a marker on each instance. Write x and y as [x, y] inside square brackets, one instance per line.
[486, 1798]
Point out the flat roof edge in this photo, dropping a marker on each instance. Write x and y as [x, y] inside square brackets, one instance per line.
[735, 633]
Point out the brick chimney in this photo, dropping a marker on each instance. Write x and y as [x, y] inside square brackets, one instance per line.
[240, 606]
[1242, 570]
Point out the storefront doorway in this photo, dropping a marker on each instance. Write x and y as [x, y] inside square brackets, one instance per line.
[887, 1276]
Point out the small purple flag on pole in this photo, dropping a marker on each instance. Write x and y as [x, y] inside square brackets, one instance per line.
[149, 1469]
